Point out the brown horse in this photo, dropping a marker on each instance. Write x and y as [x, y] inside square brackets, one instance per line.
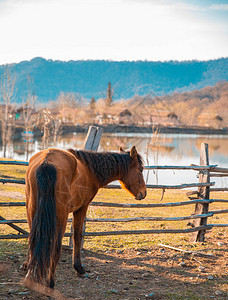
[59, 182]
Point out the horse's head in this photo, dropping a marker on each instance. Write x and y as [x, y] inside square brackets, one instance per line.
[133, 180]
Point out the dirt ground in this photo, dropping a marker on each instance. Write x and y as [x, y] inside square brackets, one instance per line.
[156, 273]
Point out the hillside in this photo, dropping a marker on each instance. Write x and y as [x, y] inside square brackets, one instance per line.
[205, 107]
[90, 78]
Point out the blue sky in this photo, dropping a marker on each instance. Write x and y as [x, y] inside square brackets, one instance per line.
[113, 29]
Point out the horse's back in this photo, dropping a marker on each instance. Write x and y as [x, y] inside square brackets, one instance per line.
[64, 163]
[61, 159]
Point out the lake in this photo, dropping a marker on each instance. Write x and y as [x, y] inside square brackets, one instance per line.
[157, 149]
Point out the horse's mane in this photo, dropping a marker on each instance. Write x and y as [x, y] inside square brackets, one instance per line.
[104, 165]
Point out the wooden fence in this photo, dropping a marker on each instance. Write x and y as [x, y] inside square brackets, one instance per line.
[199, 197]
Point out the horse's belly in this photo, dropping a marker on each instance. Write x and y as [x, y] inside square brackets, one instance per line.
[82, 197]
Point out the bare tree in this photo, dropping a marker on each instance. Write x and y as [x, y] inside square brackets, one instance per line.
[28, 112]
[50, 124]
[7, 113]
[29, 122]
[46, 123]
[56, 124]
[92, 105]
[68, 106]
[109, 96]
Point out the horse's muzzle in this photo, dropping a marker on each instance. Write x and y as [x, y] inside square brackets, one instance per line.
[140, 196]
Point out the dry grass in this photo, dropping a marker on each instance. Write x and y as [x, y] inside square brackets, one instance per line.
[133, 255]
[15, 193]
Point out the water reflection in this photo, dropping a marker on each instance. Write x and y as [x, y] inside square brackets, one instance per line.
[162, 149]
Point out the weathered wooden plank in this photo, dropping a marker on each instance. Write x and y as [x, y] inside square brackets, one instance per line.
[167, 187]
[151, 231]
[128, 232]
[129, 205]
[136, 219]
[90, 138]
[219, 211]
[220, 200]
[96, 140]
[115, 186]
[13, 221]
[219, 189]
[210, 214]
[220, 170]
[13, 236]
[122, 220]
[142, 205]
[203, 193]
[12, 204]
[21, 181]
[218, 175]
[14, 226]
[190, 193]
[191, 167]
[14, 162]
[93, 138]
[132, 205]
[180, 186]
[90, 144]
[218, 225]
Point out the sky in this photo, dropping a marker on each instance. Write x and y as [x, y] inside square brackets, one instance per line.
[153, 30]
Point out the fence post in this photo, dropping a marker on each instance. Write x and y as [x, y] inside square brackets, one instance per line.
[93, 138]
[91, 143]
[203, 193]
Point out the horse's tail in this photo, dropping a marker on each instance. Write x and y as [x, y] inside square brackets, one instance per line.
[43, 234]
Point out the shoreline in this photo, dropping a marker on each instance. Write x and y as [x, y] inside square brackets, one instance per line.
[113, 128]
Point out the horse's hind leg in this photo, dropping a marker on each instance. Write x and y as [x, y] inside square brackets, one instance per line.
[78, 220]
[51, 277]
[55, 259]
[24, 266]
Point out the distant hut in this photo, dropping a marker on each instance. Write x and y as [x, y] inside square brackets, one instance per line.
[210, 120]
[125, 117]
[164, 118]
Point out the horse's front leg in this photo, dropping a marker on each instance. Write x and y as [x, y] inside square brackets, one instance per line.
[78, 221]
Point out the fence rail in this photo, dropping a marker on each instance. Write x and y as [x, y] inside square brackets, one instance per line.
[200, 216]
[133, 205]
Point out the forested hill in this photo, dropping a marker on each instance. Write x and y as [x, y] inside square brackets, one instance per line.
[90, 78]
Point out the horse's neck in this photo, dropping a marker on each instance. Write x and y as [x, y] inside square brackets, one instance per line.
[116, 175]
[111, 171]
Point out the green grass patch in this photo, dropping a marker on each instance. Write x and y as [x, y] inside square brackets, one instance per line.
[15, 193]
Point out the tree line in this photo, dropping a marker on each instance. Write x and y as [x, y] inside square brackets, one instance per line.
[31, 116]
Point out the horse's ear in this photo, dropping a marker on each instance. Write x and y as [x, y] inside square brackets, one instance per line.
[133, 152]
[71, 151]
[122, 150]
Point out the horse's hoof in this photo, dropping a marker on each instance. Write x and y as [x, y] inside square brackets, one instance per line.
[24, 266]
[51, 283]
[80, 270]
[83, 275]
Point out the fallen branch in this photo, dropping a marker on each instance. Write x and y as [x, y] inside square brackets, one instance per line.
[186, 251]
